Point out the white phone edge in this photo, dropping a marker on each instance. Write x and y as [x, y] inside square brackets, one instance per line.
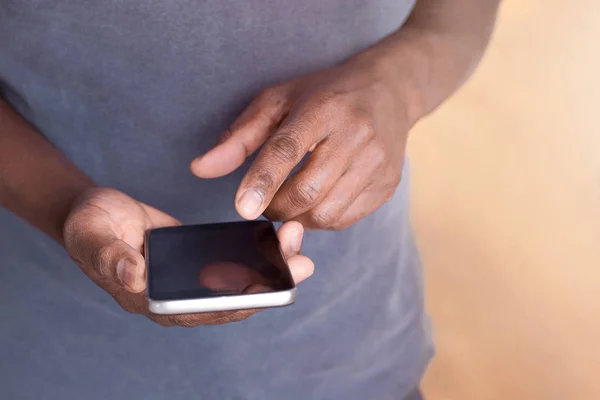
[223, 303]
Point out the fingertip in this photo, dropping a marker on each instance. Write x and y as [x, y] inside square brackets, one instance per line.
[301, 267]
[219, 161]
[203, 167]
[196, 165]
[292, 226]
[249, 204]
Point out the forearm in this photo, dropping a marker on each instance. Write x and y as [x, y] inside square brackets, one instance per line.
[436, 50]
[37, 182]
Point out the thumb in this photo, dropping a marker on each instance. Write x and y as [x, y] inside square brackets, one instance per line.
[120, 263]
[249, 131]
[108, 257]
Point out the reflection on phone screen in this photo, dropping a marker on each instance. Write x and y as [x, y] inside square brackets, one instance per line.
[189, 262]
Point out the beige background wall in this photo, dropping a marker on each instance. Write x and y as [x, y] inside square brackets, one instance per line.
[506, 204]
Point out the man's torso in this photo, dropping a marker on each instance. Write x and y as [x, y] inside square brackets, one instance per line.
[131, 92]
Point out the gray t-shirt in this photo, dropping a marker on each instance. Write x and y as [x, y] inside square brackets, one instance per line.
[131, 91]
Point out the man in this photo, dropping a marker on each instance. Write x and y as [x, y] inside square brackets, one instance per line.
[105, 103]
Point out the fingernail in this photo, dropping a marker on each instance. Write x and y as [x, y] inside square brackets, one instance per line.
[126, 271]
[296, 241]
[250, 204]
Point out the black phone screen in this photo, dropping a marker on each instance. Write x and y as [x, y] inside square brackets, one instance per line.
[200, 261]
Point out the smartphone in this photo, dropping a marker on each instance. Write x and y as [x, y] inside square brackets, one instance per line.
[216, 267]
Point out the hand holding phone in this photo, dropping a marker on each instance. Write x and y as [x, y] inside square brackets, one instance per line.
[217, 267]
[104, 235]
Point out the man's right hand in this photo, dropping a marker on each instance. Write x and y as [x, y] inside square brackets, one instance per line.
[104, 234]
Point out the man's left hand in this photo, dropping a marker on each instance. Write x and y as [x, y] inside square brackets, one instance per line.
[353, 119]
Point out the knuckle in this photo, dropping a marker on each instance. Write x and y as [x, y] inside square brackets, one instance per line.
[324, 218]
[269, 94]
[306, 193]
[266, 179]
[102, 258]
[329, 101]
[363, 127]
[287, 147]
[269, 115]
[322, 99]
[379, 155]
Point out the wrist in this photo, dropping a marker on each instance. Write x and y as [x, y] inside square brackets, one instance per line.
[402, 66]
[424, 66]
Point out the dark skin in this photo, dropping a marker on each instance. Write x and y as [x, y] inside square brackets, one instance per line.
[353, 119]
[104, 234]
[347, 119]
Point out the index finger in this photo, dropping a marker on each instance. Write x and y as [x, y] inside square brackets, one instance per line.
[280, 154]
